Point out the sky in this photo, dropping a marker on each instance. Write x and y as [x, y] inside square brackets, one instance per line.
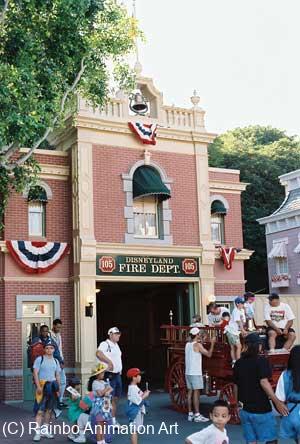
[242, 57]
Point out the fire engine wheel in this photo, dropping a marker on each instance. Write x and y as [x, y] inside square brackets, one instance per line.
[228, 394]
[177, 386]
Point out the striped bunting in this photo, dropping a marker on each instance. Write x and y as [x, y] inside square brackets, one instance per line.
[146, 133]
[37, 257]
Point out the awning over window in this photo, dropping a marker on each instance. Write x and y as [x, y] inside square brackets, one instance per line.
[297, 249]
[278, 250]
[147, 182]
[217, 207]
[37, 193]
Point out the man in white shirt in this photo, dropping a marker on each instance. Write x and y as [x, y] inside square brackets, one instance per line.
[279, 318]
[109, 353]
[56, 336]
[215, 314]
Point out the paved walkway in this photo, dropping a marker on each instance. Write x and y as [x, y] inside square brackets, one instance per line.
[160, 419]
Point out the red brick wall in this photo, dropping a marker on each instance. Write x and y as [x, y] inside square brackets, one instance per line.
[226, 177]
[229, 289]
[11, 330]
[233, 221]
[109, 198]
[58, 214]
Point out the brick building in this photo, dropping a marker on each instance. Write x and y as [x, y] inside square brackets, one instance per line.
[143, 223]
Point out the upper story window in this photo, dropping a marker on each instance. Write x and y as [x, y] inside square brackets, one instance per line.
[281, 264]
[145, 214]
[218, 212]
[37, 199]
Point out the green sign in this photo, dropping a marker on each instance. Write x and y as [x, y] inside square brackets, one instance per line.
[147, 266]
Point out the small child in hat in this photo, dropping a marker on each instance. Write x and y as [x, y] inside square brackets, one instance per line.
[216, 432]
[135, 409]
[101, 412]
[235, 328]
[79, 409]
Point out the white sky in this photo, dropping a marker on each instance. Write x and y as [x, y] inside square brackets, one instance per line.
[242, 56]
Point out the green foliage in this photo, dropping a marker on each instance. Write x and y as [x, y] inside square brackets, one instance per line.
[45, 45]
[261, 154]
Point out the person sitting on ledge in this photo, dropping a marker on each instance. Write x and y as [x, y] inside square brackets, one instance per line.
[279, 318]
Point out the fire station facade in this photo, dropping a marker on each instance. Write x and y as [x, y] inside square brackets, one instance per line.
[142, 223]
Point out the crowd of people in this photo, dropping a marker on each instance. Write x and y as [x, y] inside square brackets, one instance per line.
[251, 373]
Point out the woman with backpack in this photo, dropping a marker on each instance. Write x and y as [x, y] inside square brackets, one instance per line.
[288, 391]
[46, 371]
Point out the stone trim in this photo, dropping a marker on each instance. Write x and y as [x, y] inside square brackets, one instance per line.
[223, 170]
[227, 185]
[37, 298]
[221, 198]
[42, 184]
[167, 238]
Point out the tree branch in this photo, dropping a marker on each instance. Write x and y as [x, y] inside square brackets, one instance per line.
[3, 12]
[9, 151]
[69, 90]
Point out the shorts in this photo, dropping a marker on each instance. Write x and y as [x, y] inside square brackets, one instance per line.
[138, 421]
[115, 381]
[280, 340]
[258, 426]
[194, 382]
[290, 425]
[233, 339]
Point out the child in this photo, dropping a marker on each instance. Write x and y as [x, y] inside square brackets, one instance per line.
[249, 310]
[101, 409]
[288, 391]
[78, 412]
[235, 327]
[135, 409]
[196, 321]
[216, 432]
[225, 320]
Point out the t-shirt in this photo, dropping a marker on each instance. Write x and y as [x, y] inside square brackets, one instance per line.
[47, 367]
[215, 319]
[279, 315]
[280, 392]
[112, 351]
[209, 435]
[249, 310]
[98, 386]
[247, 374]
[238, 315]
[134, 395]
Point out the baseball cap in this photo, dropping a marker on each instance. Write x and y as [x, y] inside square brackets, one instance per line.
[253, 338]
[74, 380]
[194, 331]
[239, 300]
[113, 330]
[49, 343]
[273, 296]
[132, 372]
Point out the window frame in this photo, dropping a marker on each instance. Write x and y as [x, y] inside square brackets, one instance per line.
[221, 228]
[157, 218]
[42, 214]
[280, 263]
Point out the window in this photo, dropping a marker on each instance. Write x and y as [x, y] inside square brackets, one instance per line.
[145, 214]
[217, 228]
[281, 265]
[37, 218]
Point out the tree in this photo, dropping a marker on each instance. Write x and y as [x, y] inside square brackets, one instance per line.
[51, 50]
[261, 154]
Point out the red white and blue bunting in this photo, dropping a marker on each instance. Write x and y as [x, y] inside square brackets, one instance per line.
[227, 256]
[145, 132]
[37, 257]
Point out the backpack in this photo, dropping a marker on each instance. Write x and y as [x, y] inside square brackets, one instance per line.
[34, 351]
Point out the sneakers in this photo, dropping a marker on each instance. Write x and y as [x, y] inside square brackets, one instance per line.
[48, 435]
[200, 418]
[57, 413]
[71, 436]
[62, 405]
[190, 416]
[80, 439]
[37, 437]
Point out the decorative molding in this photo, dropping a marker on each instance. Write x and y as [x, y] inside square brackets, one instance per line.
[32, 279]
[46, 152]
[230, 281]
[153, 250]
[221, 198]
[226, 185]
[57, 172]
[42, 184]
[223, 170]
